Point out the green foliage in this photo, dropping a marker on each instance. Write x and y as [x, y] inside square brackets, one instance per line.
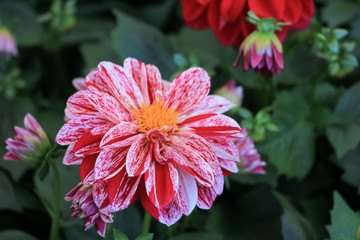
[119, 235]
[15, 235]
[344, 222]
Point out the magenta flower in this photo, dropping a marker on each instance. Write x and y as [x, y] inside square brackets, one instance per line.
[86, 205]
[249, 157]
[231, 92]
[136, 135]
[30, 144]
[8, 46]
[262, 52]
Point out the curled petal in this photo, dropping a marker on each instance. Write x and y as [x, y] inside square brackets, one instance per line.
[187, 193]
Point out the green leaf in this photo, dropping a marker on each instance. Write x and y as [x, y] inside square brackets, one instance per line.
[7, 196]
[350, 164]
[119, 235]
[344, 222]
[337, 13]
[148, 236]
[294, 225]
[132, 38]
[21, 20]
[15, 235]
[292, 151]
[343, 137]
[340, 33]
[197, 236]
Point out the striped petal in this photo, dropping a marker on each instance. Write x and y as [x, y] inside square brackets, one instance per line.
[76, 127]
[77, 105]
[100, 192]
[206, 197]
[188, 89]
[139, 157]
[70, 158]
[187, 193]
[96, 83]
[120, 134]
[122, 190]
[87, 169]
[109, 162]
[122, 85]
[162, 183]
[108, 106]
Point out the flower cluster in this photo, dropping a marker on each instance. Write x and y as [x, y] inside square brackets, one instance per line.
[226, 17]
[138, 136]
[30, 144]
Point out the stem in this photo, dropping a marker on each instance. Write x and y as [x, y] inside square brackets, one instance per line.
[55, 222]
[146, 223]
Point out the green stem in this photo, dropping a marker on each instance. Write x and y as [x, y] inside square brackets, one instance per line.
[146, 223]
[55, 222]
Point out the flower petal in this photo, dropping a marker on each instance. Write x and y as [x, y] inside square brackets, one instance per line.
[122, 190]
[87, 169]
[188, 89]
[76, 127]
[120, 133]
[206, 197]
[218, 125]
[122, 85]
[187, 193]
[161, 182]
[108, 106]
[139, 157]
[70, 158]
[77, 105]
[109, 162]
[96, 83]
[100, 192]
[268, 8]
[219, 181]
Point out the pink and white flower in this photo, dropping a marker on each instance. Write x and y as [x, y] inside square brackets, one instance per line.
[30, 144]
[138, 136]
[250, 160]
[8, 46]
[86, 205]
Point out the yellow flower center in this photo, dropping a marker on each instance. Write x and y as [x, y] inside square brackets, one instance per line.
[155, 116]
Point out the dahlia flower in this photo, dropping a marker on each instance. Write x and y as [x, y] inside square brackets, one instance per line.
[8, 46]
[250, 161]
[226, 18]
[30, 144]
[86, 205]
[138, 136]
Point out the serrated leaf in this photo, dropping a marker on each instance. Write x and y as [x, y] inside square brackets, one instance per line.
[344, 222]
[15, 235]
[119, 235]
[132, 38]
[294, 225]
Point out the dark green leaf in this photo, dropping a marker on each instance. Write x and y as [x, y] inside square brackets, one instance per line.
[22, 21]
[7, 197]
[344, 222]
[132, 38]
[197, 236]
[348, 106]
[351, 166]
[294, 225]
[148, 236]
[119, 235]
[337, 13]
[15, 235]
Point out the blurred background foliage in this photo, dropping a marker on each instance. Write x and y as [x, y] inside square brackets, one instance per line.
[311, 189]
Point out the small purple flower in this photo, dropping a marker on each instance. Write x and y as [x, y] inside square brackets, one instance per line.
[84, 206]
[30, 144]
[8, 46]
[249, 157]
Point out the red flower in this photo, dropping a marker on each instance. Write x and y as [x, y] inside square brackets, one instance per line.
[226, 18]
[136, 135]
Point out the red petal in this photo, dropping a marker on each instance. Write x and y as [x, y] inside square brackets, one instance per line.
[139, 157]
[188, 89]
[308, 9]
[194, 14]
[87, 169]
[161, 183]
[100, 192]
[268, 8]
[122, 190]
